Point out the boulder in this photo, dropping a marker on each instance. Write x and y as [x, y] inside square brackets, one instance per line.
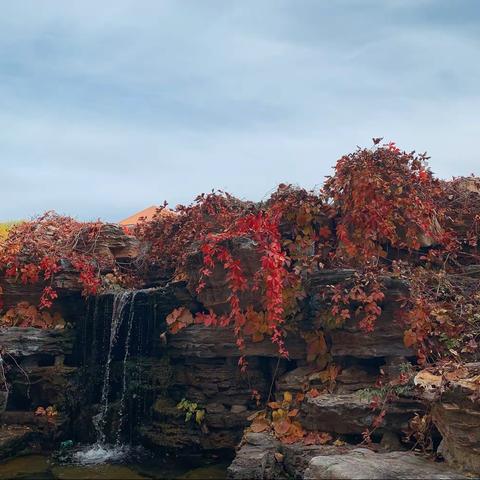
[455, 394]
[460, 429]
[297, 456]
[351, 414]
[112, 244]
[256, 459]
[362, 463]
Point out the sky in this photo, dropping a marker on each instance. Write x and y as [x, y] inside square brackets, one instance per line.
[107, 107]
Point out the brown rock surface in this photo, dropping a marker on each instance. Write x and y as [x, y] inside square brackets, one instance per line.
[210, 342]
[385, 341]
[362, 463]
[460, 429]
[351, 414]
[216, 292]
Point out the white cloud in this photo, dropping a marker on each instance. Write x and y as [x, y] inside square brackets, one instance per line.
[108, 107]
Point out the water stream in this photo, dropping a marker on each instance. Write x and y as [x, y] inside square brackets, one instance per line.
[102, 451]
[121, 411]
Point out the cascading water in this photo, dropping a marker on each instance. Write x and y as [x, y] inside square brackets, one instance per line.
[121, 411]
[102, 451]
[119, 303]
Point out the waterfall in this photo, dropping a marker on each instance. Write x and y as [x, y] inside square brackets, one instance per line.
[119, 303]
[101, 452]
[121, 410]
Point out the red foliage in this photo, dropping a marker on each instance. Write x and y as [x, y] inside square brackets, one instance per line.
[382, 213]
[37, 250]
[170, 235]
[263, 229]
[385, 198]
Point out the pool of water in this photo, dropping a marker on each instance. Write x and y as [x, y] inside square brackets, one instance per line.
[86, 465]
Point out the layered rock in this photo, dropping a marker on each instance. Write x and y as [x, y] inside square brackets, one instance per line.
[219, 388]
[216, 292]
[200, 364]
[214, 342]
[350, 414]
[457, 416]
[262, 457]
[26, 342]
[362, 463]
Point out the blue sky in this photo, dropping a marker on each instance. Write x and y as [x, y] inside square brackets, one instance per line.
[109, 106]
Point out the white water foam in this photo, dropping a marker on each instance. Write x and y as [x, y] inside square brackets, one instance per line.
[97, 454]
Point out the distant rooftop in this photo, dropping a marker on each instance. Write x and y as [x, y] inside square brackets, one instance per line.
[146, 214]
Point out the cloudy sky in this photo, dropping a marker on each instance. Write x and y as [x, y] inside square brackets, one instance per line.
[109, 106]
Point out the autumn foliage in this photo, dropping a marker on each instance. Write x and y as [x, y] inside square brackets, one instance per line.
[386, 199]
[382, 213]
[36, 252]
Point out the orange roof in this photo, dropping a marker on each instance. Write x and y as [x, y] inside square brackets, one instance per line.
[146, 214]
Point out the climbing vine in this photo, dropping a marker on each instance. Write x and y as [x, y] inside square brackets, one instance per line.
[381, 214]
[38, 251]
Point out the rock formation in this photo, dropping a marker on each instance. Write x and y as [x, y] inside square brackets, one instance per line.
[200, 364]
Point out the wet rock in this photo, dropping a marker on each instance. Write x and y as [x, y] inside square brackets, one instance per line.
[187, 436]
[22, 431]
[228, 419]
[43, 386]
[3, 400]
[220, 428]
[362, 463]
[13, 439]
[48, 426]
[217, 386]
[215, 408]
[22, 342]
[217, 381]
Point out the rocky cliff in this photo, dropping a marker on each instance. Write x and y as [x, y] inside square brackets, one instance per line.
[63, 368]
